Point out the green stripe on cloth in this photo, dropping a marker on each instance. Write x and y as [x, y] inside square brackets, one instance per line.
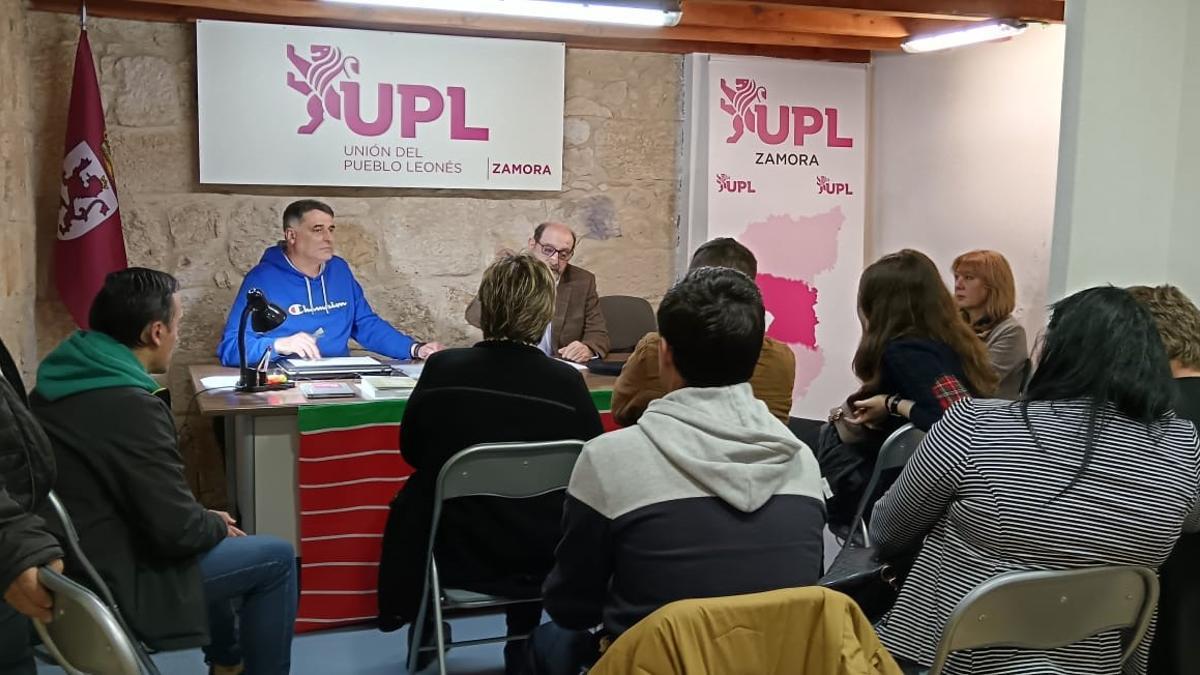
[341, 415]
[603, 399]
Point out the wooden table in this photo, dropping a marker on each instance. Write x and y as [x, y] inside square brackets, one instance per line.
[262, 446]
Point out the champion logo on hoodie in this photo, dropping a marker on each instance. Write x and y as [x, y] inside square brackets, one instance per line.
[298, 309]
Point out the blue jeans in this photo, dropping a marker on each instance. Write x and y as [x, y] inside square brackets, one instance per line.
[257, 573]
[16, 656]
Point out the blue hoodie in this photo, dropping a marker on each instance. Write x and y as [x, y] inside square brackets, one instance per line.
[333, 301]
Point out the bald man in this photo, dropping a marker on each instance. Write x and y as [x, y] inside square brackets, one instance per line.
[577, 332]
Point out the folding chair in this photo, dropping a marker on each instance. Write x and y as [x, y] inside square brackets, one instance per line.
[1050, 609]
[895, 452]
[101, 589]
[512, 470]
[84, 635]
[628, 319]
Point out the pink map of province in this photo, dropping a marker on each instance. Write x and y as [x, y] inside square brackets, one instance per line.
[791, 252]
[793, 304]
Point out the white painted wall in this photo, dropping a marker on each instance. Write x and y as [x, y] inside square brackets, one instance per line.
[1129, 194]
[964, 152]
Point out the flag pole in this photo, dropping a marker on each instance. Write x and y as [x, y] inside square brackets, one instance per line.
[83, 15]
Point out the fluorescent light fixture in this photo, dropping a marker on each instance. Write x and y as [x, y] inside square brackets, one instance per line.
[627, 13]
[984, 32]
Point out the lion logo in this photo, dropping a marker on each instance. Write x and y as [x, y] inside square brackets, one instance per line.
[318, 74]
[738, 102]
[86, 196]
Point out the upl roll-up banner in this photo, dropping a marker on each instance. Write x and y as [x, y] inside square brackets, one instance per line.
[777, 159]
[292, 105]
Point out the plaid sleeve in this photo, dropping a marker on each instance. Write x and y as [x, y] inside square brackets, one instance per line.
[947, 389]
[918, 374]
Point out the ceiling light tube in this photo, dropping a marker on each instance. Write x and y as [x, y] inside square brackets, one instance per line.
[621, 14]
[984, 32]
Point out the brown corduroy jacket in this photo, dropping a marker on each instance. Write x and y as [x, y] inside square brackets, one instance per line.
[639, 383]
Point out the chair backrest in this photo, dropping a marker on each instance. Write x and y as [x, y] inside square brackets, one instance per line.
[513, 470]
[628, 319]
[895, 452]
[84, 636]
[1050, 609]
[76, 555]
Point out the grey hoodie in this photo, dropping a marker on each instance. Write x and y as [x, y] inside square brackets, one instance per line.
[707, 495]
[714, 441]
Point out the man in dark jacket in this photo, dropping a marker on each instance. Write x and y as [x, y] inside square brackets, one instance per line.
[26, 474]
[174, 566]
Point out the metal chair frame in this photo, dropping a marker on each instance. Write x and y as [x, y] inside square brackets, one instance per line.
[97, 583]
[511, 470]
[1051, 609]
[895, 452]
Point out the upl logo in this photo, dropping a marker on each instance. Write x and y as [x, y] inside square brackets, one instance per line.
[828, 187]
[745, 103]
[326, 77]
[727, 184]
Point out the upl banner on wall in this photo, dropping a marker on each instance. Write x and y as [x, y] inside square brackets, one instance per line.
[777, 159]
[289, 105]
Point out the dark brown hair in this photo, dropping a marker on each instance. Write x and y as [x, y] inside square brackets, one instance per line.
[902, 295]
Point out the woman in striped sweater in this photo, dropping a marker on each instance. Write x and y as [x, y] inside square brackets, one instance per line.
[1092, 468]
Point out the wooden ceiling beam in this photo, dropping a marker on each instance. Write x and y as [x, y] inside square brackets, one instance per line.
[776, 17]
[1050, 11]
[739, 39]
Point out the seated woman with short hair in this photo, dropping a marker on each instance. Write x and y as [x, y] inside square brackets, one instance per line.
[502, 389]
[1092, 468]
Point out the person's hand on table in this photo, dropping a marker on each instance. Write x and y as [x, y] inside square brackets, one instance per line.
[429, 349]
[576, 351]
[229, 523]
[27, 595]
[300, 344]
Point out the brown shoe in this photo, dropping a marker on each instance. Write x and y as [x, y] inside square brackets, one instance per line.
[217, 669]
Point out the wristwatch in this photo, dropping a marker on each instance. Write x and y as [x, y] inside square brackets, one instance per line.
[415, 349]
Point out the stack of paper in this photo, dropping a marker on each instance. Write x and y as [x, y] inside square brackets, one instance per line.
[381, 386]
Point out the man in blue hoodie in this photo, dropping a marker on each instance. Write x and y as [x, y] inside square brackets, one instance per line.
[324, 303]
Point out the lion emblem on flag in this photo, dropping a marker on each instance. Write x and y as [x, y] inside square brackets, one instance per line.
[86, 198]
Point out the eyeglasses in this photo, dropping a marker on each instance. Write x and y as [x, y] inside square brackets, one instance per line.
[563, 254]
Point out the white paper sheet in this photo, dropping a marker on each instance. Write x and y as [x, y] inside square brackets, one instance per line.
[412, 370]
[219, 381]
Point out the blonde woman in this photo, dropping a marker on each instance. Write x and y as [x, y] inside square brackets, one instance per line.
[986, 295]
[502, 389]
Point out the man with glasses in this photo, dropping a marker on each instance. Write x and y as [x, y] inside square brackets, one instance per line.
[577, 332]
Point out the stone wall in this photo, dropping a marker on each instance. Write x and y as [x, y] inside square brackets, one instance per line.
[418, 254]
[17, 234]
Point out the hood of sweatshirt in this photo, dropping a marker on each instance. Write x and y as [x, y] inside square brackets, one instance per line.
[89, 360]
[725, 440]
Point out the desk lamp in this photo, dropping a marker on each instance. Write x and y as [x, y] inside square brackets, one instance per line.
[264, 317]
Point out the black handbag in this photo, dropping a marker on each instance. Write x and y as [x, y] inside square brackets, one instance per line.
[870, 582]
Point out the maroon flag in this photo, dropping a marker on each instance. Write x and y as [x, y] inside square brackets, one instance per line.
[90, 242]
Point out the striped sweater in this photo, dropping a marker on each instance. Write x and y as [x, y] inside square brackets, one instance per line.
[986, 500]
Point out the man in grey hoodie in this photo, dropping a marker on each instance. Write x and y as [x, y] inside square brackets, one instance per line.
[707, 495]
